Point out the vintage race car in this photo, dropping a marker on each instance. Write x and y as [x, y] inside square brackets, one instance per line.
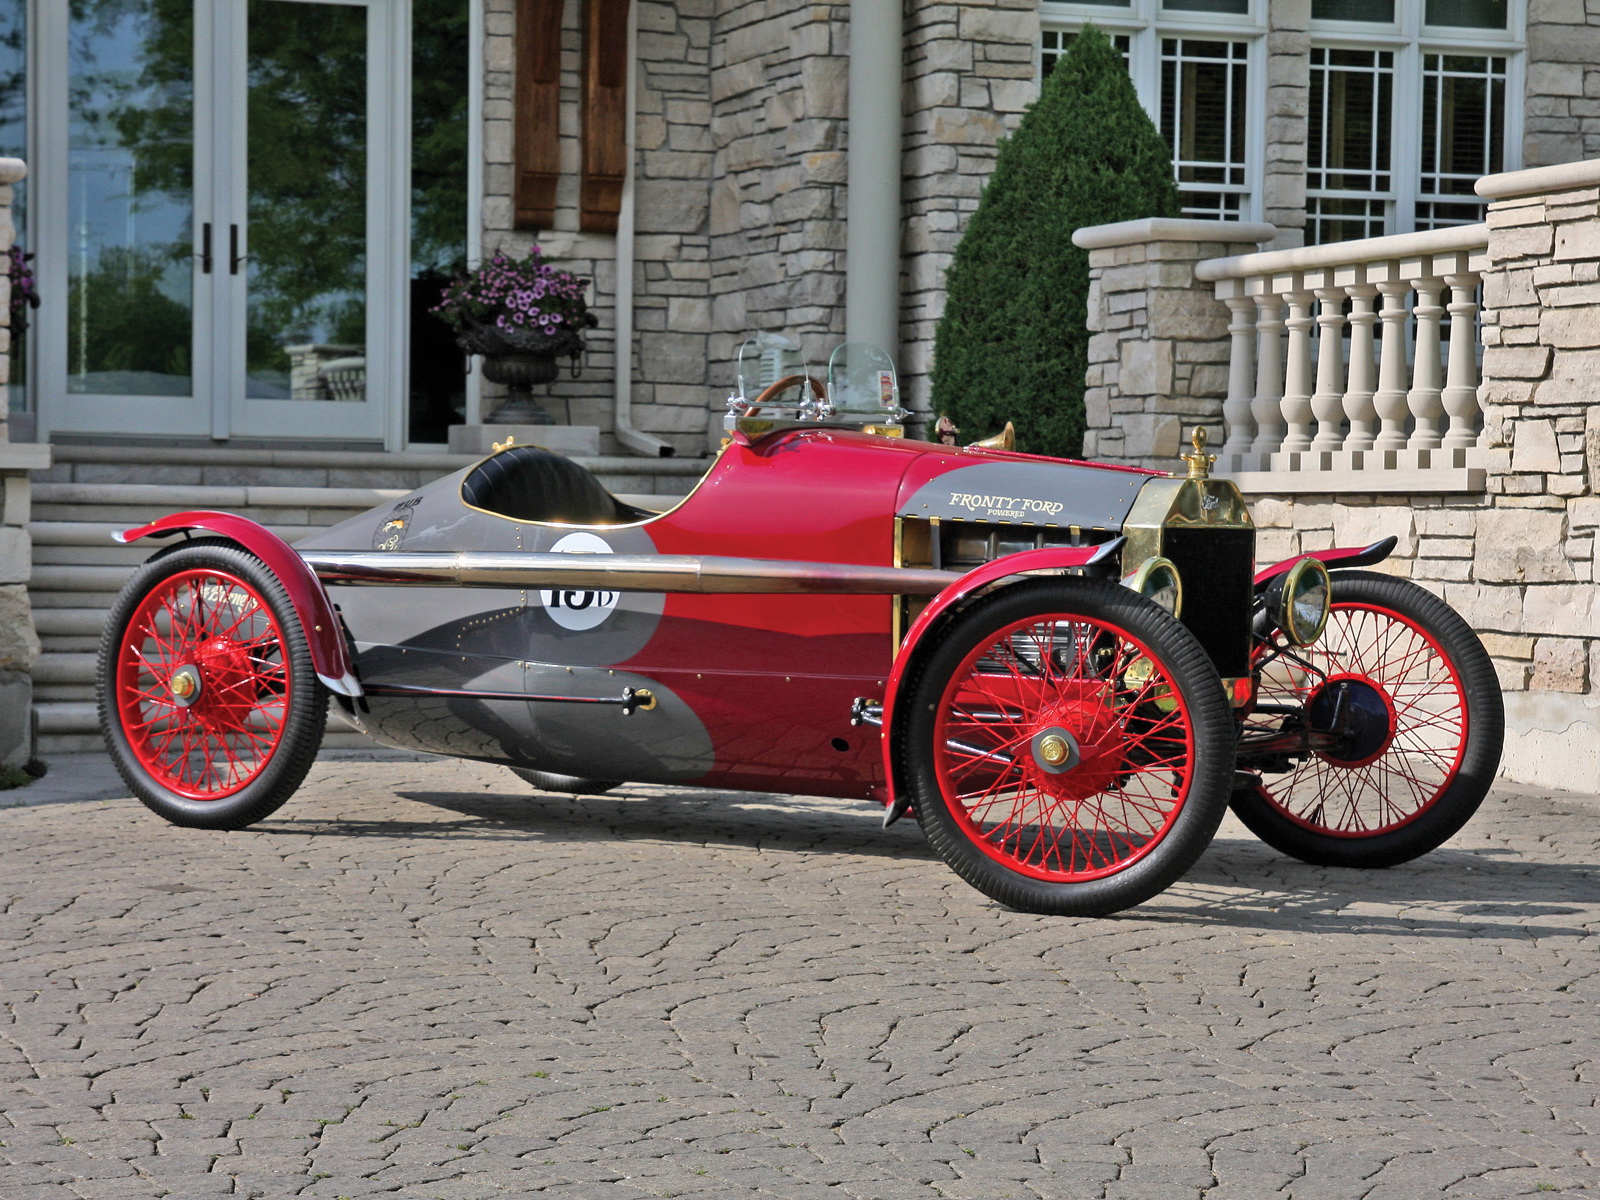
[1065, 671]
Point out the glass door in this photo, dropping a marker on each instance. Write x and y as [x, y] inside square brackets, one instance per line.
[315, 230]
[234, 229]
[117, 113]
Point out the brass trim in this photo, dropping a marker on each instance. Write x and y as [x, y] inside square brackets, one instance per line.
[1166, 501]
[897, 604]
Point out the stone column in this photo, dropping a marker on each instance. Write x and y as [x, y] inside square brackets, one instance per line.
[1532, 588]
[1159, 345]
[19, 644]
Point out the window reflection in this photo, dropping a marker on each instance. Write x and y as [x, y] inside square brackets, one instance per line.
[130, 197]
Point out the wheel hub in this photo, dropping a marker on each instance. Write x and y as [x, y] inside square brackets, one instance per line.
[185, 685]
[1076, 748]
[222, 674]
[1055, 750]
[1358, 710]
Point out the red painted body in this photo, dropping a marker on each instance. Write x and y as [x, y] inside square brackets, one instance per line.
[311, 603]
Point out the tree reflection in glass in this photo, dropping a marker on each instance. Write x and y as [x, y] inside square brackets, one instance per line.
[130, 286]
[307, 320]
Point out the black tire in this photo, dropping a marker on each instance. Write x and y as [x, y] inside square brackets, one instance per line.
[210, 619]
[549, 781]
[1417, 768]
[1138, 711]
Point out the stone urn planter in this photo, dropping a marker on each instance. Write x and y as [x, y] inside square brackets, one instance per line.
[521, 316]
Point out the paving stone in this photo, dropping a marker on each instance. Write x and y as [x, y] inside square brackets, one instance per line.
[665, 991]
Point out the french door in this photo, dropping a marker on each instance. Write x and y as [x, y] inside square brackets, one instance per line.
[231, 236]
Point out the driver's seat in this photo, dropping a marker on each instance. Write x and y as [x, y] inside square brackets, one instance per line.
[528, 483]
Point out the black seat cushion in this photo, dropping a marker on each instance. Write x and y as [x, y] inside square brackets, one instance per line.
[531, 484]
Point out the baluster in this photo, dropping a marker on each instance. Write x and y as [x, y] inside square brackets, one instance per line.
[1390, 398]
[1266, 408]
[1327, 402]
[1358, 406]
[1241, 362]
[1423, 399]
[1297, 381]
[1460, 396]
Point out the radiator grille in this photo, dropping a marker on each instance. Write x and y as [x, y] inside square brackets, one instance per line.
[1218, 567]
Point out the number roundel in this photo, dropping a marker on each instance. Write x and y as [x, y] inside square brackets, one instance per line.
[578, 608]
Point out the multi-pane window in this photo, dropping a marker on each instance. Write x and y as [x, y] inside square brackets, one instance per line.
[1203, 101]
[1349, 184]
[1409, 107]
[1463, 135]
[1193, 64]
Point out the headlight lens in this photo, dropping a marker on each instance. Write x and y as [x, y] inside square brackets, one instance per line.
[1157, 580]
[1303, 596]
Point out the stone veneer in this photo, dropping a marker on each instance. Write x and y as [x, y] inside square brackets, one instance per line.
[19, 644]
[1561, 118]
[1516, 561]
[741, 145]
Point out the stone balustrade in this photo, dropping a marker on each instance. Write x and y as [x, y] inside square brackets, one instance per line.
[1354, 366]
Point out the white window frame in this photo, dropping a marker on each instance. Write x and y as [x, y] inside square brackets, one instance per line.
[1145, 23]
[1410, 39]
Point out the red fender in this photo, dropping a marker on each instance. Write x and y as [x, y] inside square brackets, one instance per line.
[311, 604]
[1347, 556]
[1029, 562]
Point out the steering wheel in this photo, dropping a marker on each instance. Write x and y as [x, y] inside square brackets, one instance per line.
[787, 382]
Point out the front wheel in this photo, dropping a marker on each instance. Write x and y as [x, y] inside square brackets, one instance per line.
[210, 704]
[1414, 694]
[1070, 748]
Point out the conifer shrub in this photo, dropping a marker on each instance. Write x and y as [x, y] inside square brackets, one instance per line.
[1013, 343]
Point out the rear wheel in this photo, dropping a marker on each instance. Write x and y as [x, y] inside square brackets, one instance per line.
[1069, 747]
[210, 704]
[1416, 696]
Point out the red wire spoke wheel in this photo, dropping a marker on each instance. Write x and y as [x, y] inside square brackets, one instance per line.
[1418, 705]
[209, 702]
[1070, 747]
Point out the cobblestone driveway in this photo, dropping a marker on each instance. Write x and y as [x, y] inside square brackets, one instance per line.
[422, 978]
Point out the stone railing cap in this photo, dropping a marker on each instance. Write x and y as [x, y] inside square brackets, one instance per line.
[12, 170]
[1170, 229]
[1453, 238]
[23, 456]
[1559, 178]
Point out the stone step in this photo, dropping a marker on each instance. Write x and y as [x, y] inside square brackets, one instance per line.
[72, 726]
[69, 622]
[179, 467]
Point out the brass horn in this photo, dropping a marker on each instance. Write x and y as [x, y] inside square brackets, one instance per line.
[1006, 439]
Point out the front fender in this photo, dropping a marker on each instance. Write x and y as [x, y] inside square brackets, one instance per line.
[919, 640]
[1345, 556]
[329, 653]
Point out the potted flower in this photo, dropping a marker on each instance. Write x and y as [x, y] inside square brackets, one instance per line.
[520, 315]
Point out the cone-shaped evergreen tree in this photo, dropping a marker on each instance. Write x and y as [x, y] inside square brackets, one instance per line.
[1013, 344]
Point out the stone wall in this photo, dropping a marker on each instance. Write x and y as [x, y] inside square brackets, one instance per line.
[970, 70]
[1561, 121]
[19, 644]
[1158, 359]
[672, 274]
[779, 96]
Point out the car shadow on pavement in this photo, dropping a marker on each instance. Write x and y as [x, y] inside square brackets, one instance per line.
[1482, 891]
[743, 819]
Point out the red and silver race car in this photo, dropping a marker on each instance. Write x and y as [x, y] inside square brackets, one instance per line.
[1064, 671]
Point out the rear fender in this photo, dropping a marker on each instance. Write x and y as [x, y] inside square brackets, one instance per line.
[329, 653]
[1348, 556]
[922, 636]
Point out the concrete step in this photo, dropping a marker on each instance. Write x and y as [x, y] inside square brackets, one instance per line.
[69, 622]
[185, 466]
[73, 726]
